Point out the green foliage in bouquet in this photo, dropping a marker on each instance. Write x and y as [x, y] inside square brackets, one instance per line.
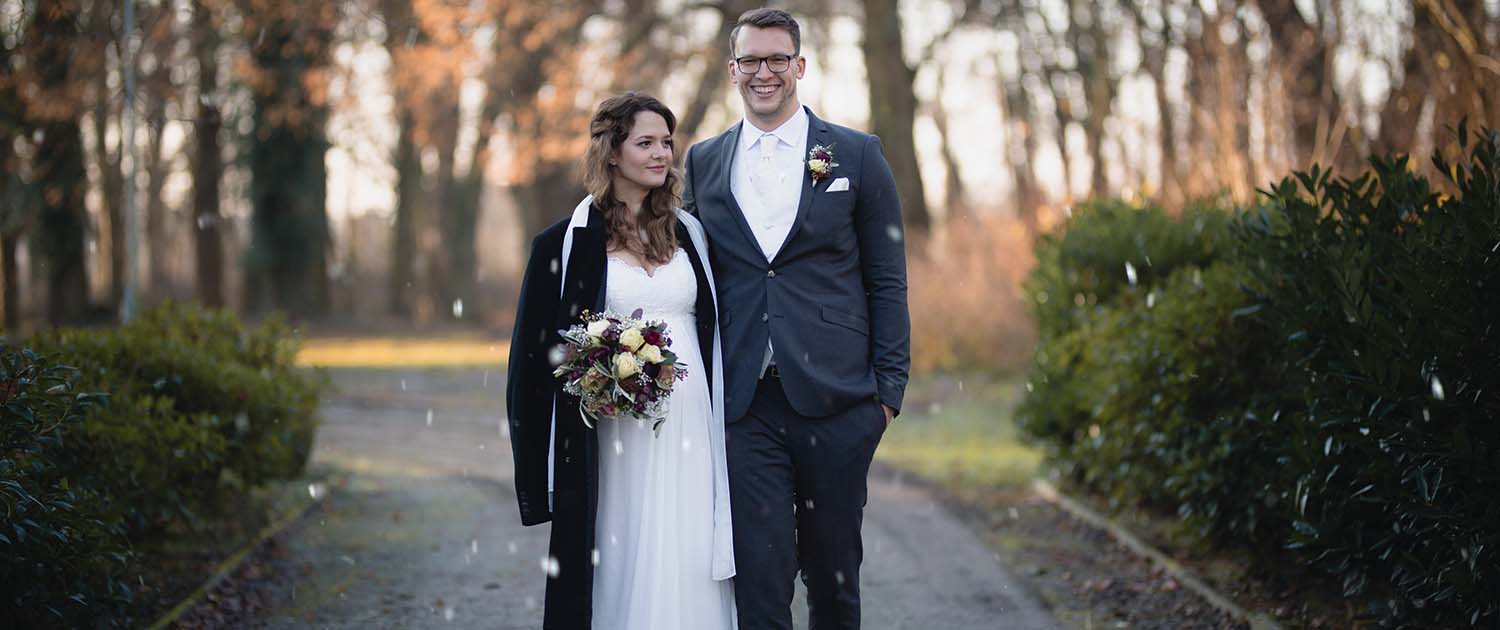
[62, 558]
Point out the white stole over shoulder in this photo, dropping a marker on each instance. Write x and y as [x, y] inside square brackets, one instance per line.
[723, 535]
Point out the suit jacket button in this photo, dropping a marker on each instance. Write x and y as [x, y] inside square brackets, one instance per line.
[771, 273]
[765, 317]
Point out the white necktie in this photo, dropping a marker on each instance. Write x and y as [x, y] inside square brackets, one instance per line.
[764, 167]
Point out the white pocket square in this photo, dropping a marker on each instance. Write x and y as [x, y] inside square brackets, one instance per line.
[841, 183]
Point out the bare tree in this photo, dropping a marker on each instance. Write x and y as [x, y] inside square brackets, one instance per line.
[893, 107]
[1305, 68]
[208, 162]
[160, 42]
[107, 157]
[53, 116]
[287, 265]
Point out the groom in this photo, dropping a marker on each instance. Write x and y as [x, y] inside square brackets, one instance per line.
[807, 247]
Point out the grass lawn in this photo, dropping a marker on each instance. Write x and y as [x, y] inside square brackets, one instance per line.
[392, 351]
[960, 430]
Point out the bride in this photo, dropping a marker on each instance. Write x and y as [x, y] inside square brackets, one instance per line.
[640, 522]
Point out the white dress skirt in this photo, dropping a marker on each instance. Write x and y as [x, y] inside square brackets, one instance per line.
[655, 524]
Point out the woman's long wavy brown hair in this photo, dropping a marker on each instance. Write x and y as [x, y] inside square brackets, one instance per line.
[658, 219]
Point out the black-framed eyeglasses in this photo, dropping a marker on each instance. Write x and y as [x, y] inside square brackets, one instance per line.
[751, 65]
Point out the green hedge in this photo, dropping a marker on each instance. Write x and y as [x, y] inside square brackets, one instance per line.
[200, 409]
[62, 556]
[1320, 373]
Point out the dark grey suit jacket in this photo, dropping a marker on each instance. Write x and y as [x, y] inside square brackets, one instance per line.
[833, 300]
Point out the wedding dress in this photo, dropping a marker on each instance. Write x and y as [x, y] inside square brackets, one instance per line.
[655, 524]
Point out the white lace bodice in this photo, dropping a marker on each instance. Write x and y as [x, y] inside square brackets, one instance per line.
[668, 296]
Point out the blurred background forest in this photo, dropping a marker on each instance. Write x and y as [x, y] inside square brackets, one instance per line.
[381, 163]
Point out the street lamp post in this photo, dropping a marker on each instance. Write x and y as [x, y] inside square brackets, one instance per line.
[127, 154]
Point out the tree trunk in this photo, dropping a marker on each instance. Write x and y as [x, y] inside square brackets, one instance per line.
[893, 107]
[954, 196]
[58, 164]
[157, 169]
[1403, 106]
[1154, 62]
[1089, 42]
[1462, 61]
[287, 263]
[106, 159]
[208, 241]
[408, 200]
[1231, 114]
[445, 215]
[1306, 62]
[1021, 140]
[1063, 109]
[14, 207]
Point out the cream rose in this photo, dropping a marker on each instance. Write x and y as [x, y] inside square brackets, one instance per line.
[626, 365]
[649, 354]
[632, 339]
[817, 166]
[597, 327]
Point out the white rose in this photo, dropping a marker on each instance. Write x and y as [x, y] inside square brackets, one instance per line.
[626, 366]
[597, 327]
[816, 165]
[632, 339]
[649, 354]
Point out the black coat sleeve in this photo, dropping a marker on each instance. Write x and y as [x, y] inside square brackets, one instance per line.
[529, 382]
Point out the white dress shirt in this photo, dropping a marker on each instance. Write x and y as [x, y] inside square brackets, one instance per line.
[766, 180]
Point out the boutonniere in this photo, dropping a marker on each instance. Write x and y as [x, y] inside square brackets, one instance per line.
[820, 162]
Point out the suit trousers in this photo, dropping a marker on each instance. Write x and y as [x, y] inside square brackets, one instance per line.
[798, 489]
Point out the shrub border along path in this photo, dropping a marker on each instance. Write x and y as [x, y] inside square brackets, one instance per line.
[1050, 493]
[318, 489]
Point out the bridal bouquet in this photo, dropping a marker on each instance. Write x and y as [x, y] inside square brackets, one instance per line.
[618, 367]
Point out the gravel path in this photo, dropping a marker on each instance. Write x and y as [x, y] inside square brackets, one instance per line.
[424, 531]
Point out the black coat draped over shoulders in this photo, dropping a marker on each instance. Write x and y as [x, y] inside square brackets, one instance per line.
[531, 391]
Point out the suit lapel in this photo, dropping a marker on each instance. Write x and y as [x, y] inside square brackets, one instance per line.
[817, 133]
[726, 175]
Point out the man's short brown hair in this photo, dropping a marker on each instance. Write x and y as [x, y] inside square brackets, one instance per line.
[766, 17]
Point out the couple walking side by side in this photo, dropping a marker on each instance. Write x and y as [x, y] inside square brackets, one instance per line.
[776, 261]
